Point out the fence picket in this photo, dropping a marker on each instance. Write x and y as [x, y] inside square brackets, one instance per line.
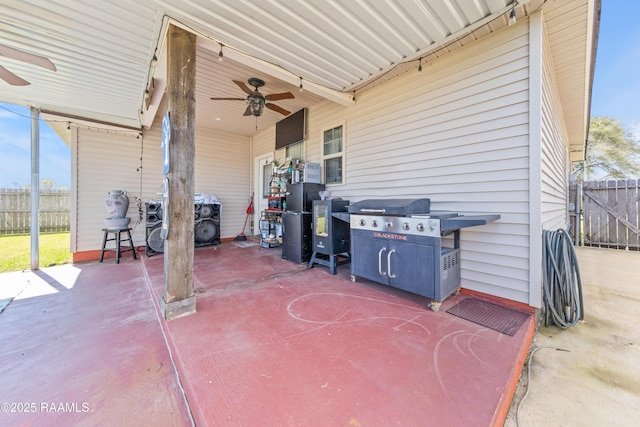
[633, 211]
[15, 211]
[610, 213]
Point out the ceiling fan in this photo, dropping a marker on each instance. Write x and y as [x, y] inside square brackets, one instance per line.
[258, 101]
[20, 55]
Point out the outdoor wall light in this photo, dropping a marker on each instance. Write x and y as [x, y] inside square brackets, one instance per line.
[512, 14]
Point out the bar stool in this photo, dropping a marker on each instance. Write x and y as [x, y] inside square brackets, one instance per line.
[118, 239]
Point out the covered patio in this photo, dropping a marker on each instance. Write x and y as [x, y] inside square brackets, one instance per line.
[272, 343]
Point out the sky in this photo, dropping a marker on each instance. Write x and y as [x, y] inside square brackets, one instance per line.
[616, 86]
[616, 93]
[15, 150]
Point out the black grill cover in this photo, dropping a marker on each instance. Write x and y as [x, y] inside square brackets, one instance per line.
[402, 207]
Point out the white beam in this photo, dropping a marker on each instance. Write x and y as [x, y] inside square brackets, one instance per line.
[35, 189]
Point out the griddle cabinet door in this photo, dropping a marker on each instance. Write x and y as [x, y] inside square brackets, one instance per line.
[410, 267]
[369, 257]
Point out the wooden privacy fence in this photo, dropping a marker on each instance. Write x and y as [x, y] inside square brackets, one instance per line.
[15, 211]
[610, 213]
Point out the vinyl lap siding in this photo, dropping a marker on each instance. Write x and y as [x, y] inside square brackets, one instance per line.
[554, 151]
[223, 169]
[457, 134]
[111, 161]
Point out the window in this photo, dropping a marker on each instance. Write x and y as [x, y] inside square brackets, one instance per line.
[333, 154]
[295, 151]
[267, 172]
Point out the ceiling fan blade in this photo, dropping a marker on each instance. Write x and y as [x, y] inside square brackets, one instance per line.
[229, 99]
[30, 58]
[244, 87]
[280, 110]
[279, 96]
[11, 78]
[248, 112]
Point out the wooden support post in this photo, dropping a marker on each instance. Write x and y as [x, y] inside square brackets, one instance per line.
[179, 298]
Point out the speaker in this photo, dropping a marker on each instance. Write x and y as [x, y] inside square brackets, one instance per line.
[206, 222]
[154, 213]
[207, 227]
[154, 241]
[210, 211]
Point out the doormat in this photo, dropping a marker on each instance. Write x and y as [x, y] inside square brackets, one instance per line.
[489, 315]
[245, 244]
[4, 303]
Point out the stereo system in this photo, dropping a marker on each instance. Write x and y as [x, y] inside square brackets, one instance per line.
[206, 222]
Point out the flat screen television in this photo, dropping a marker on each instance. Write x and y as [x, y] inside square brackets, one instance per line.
[291, 129]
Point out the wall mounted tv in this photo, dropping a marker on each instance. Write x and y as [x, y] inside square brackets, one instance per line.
[291, 129]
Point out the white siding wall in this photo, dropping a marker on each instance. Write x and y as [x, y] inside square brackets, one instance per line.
[111, 160]
[223, 168]
[457, 134]
[555, 161]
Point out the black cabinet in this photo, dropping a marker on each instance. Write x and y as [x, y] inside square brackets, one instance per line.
[301, 195]
[296, 236]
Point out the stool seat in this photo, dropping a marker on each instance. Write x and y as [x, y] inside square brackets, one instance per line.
[117, 237]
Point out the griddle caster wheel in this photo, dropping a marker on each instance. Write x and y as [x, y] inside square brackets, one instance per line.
[435, 306]
[353, 278]
[457, 292]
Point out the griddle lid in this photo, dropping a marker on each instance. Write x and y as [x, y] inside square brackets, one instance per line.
[401, 207]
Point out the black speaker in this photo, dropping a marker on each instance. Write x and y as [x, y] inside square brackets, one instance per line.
[210, 211]
[154, 213]
[207, 227]
[154, 241]
[206, 222]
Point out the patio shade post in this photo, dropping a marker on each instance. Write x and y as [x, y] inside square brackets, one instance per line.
[179, 299]
[35, 189]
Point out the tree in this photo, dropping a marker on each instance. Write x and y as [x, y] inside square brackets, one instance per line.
[612, 152]
[46, 184]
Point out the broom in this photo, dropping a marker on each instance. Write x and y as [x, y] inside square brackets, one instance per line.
[241, 236]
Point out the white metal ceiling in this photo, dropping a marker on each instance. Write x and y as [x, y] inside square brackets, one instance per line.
[104, 49]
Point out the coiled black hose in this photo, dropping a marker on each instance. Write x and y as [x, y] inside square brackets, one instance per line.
[561, 280]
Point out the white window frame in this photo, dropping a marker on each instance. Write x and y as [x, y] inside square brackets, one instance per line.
[341, 154]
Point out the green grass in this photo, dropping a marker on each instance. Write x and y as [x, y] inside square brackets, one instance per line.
[15, 251]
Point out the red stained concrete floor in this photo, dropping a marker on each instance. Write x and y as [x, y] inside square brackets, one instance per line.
[272, 344]
[91, 353]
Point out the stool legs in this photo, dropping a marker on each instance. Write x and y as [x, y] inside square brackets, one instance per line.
[104, 244]
[118, 239]
[133, 249]
[118, 246]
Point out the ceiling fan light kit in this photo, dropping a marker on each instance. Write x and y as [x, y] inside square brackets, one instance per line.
[256, 101]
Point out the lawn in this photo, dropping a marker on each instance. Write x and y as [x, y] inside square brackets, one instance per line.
[15, 250]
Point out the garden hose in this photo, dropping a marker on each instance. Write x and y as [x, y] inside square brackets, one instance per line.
[561, 280]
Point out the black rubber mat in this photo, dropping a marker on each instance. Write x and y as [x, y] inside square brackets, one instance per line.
[489, 315]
